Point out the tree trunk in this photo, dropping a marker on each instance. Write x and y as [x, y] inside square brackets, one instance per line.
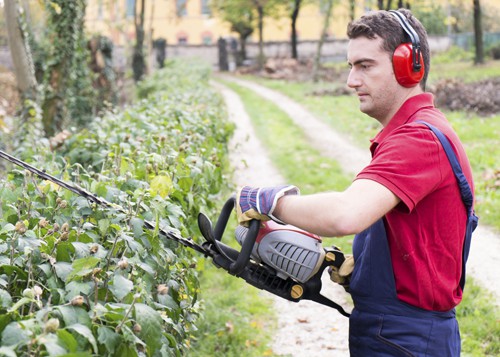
[295, 15]
[138, 63]
[260, 11]
[326, 24]
[386, 7]
[20, 51]
[352, 9]
[64, 93]
[478, 33]
[243, 49]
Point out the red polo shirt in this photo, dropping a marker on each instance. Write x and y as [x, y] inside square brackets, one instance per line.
[426, 230]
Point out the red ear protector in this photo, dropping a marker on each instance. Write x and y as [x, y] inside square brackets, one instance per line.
[407, 60]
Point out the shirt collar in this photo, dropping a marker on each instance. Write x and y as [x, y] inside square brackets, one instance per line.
[403, 116]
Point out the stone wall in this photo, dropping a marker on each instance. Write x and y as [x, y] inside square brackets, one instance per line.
[332, 50]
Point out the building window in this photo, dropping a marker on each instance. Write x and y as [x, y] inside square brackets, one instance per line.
[206, 38]
[205, 9]
[182, 38]
[130, 8]
[181, 7]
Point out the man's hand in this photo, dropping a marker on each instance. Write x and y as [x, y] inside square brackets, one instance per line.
[259, 203]
[342, 275]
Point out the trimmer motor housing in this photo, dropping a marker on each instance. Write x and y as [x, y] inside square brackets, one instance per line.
[293, 252]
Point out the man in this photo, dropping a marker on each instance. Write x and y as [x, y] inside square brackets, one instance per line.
[409, 208]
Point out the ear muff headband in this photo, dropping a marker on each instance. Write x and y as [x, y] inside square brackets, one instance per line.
[407, 59]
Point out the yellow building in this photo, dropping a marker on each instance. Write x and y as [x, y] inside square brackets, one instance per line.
[192, 22]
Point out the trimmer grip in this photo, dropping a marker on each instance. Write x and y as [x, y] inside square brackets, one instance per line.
[246, 250]
[225, 213]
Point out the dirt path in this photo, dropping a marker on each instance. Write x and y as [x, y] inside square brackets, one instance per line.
[308, 328]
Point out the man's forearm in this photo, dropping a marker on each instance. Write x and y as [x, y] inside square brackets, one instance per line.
[335, 214]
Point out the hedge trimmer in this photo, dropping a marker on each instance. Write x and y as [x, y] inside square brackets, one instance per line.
[281, 259]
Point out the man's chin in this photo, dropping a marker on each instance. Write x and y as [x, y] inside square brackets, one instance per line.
[363, 108]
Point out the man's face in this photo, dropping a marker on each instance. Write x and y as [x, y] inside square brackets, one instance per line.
[372, 76]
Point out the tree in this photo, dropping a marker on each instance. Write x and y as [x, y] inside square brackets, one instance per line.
[327, 6]
[240, 16]
[138, 62]
[29, 127]
[478, 33]
[384, 5]
[352, 9]
[259, 5]
[387, 5]
[66, 78]
[433, 17]
[52, 72]
[244, 29]
[20, 50]
[263, 8]
[295, 15]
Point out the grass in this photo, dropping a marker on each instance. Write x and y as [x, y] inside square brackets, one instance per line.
[479, 322]
[464, 71]
[481, 138]
[236, 319]
[305, 167]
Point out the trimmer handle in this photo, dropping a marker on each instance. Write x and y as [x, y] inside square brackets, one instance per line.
[239, 260]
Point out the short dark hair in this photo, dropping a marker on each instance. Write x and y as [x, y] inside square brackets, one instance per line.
[384, 25]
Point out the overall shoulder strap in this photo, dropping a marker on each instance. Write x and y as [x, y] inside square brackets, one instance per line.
[465, 192]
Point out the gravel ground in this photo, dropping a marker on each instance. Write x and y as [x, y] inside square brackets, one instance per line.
[307, 328]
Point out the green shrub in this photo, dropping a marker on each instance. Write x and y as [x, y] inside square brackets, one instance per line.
[76, 277]
[452, 55]
[495, 52]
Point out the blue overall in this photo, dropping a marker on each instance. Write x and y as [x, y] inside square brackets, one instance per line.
[381, 324]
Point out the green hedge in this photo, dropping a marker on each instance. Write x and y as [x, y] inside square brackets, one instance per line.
[79, 278]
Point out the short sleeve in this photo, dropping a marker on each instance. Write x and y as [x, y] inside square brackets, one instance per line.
[407, 162]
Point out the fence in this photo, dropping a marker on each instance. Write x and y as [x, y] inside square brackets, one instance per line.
[466, 40]
[332, 50]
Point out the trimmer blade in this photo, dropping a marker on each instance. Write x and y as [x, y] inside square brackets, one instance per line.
[205, 226]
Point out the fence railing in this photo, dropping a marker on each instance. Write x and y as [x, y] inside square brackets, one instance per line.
[332, 50]
[466, 40]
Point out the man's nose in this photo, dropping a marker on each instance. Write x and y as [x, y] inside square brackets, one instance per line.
[353, 80]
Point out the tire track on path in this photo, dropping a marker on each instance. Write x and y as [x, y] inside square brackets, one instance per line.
[484, 257]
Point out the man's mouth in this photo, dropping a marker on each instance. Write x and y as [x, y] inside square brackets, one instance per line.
[362, 95]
